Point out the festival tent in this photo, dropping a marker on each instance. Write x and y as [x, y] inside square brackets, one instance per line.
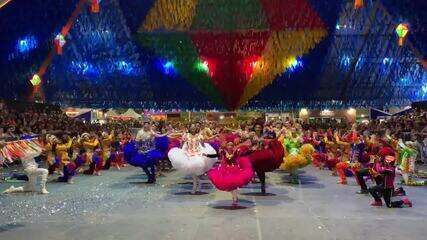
[111, 113]
[130, 113]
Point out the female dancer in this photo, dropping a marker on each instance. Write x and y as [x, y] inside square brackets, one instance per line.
[194, 158]
[296, 159]
[234, 171]
[267, 154]
[146, 151]
[408, 155]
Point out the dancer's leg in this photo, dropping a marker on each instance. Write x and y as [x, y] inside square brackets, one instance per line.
[341, 167]
[195, 183]
[153, 174]
[198, 184]
[66, 175]
[234, 196]
[294, 176]
[405, 177]
[107, 164]
[261, 176]
[91, 169]
[13, 189]
[361, 181]
[147, 172]
[43, 179]
[376, 194]
[30, 186]
[387, 193]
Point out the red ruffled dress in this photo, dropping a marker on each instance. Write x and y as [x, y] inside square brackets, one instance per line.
[268, 159]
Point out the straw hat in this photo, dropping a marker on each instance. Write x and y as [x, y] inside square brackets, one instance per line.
[85, 135]
[390, 159]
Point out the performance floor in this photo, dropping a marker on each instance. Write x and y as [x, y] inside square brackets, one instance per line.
[117, 205]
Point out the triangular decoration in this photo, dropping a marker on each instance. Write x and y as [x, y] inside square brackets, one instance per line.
[239, 46]
[232, 62]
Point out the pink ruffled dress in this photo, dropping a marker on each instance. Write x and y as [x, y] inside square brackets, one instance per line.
[233, 172]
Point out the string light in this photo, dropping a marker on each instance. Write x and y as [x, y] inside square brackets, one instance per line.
[169, 67]
[26, 44]
[203, 66]
[35, 80]
[292, 64]
[2, 4]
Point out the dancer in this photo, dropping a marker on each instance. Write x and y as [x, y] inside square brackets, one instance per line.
[116, 158]
[375, 152]
[89, 142]
[69, 171]
[68, 166]
[234, 171]
[408, 155]
[194, 158]
[33, 171]
[344, 155]
[61, 152]
[267, 154]
[106, 141]
[146, 151]
[327, 155]
[387, 170]
[296, 159]
[96, 163]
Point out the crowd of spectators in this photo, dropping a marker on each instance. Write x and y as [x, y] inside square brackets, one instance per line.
[32, 119]
[19, 123]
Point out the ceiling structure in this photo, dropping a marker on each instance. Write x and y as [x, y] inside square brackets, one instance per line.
[206, 54]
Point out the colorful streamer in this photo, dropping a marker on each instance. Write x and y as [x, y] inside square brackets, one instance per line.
[282, 48]
[174, 15]
[16, 150]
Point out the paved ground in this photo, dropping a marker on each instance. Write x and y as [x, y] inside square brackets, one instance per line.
[117, 205]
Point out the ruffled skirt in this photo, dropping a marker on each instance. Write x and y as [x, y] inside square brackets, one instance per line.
[230, 177]
[147, 159]
[269, 159]
[194, 165]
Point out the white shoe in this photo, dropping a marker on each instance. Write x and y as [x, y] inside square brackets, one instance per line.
[44, 191]
[13, 189]
[9, 190]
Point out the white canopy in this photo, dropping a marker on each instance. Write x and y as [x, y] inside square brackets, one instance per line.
[111, 113]
[131, 113]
